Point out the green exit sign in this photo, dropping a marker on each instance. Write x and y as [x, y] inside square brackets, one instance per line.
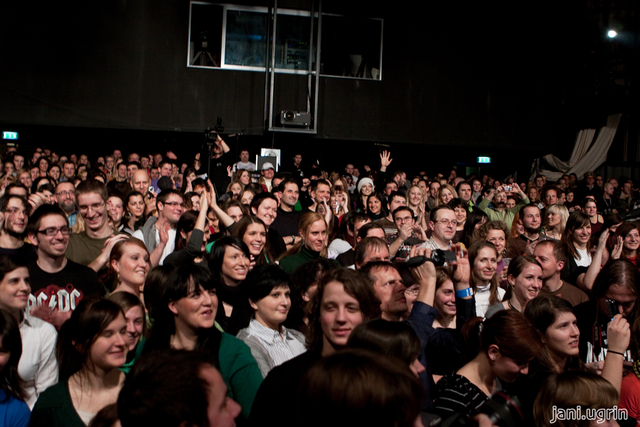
[9, 135]
[484, 159]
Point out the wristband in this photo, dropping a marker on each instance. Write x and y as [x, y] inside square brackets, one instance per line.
[464, 293]
[615, 352]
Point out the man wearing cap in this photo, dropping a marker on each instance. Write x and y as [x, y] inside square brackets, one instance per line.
[267, 173]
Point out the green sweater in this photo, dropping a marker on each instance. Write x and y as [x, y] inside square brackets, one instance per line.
[54, 408]
[507, 215]
[291, 262]
[240, 371]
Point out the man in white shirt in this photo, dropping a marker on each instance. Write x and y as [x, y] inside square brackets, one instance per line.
[244, 162]
[159, 234]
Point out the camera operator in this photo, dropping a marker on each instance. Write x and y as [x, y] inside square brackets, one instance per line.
[221, 159]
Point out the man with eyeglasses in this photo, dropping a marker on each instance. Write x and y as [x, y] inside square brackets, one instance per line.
[93, 246]
[66, 198]
[443, 225]
[13, 225]
[57, 283]
[159, 234]
[409, 233]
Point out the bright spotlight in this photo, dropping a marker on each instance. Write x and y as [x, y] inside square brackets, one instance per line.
[612, 34]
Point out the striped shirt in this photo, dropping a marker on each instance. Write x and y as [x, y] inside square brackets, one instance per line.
[280, 346]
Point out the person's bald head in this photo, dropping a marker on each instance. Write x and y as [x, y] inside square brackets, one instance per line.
[140, 181]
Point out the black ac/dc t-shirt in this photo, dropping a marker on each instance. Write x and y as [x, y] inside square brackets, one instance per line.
[65, 289]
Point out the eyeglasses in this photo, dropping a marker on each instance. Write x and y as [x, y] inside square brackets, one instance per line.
[65, 193]
[94, 207]
[51, 231]
[446, 222]
[16, 211]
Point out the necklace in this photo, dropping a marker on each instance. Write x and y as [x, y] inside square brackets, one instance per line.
[512, 307]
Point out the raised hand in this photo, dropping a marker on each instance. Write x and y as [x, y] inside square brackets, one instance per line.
[385, 160]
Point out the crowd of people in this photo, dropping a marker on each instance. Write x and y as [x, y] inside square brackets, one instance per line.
[152, 290]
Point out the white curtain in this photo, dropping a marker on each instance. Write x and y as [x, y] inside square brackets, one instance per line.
[585, 156]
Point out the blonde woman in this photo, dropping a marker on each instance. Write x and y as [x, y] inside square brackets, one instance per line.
[555, 221]
[446, 193]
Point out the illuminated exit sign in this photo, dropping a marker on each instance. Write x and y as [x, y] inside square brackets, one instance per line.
[9, 135]
[484, 159]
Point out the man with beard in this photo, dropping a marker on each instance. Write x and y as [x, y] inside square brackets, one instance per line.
[525, 244]
[13, 224]
[66, 198]
[499, 212]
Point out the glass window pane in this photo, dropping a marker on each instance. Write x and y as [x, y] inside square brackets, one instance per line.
[351, 47]
[292, 42]
[205, 38]
[246, 38]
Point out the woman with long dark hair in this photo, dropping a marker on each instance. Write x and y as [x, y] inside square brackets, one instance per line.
[252, 231]
[184, 320]
[12, 393]
[376, 206]
[576, 240]
[505, 344]
[91, 348]
[524, 280]
[483, 262]
[365, 187]
[474, 221]
[134, 206]
[230, 263]
[627, 237]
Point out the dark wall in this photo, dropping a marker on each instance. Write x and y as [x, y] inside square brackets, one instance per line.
[454, 75]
